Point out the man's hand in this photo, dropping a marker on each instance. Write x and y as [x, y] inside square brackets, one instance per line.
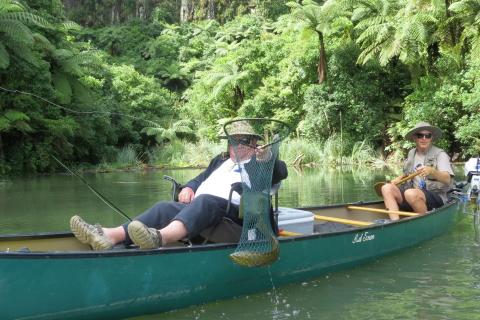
[442, 176]
[186, 195]
[426, 171]
[263, 154]
[397, 179]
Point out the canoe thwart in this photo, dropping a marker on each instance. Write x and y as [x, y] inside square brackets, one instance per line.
[344, 221]
[400, 213]
[285, 233]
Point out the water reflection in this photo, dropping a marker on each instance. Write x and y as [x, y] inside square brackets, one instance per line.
[45, 203]
[438, 280]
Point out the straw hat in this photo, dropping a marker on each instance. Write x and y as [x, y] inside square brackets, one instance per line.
[240, 128]
[437, 133]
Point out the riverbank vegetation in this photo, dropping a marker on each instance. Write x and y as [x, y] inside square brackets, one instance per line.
[149, 83]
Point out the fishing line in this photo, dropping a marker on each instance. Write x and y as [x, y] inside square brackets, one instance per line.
[76, 111]
[97, 193]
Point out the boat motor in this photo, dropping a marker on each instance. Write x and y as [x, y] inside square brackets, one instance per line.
[472, 172]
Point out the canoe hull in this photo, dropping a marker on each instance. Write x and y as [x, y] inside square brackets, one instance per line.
[64, 285]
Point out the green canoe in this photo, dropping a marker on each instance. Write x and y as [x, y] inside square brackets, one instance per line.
[53, 276]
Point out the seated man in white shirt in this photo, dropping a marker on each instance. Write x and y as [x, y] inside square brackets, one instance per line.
[202, 203]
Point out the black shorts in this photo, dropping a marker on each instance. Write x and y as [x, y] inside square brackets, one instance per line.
[433, 201]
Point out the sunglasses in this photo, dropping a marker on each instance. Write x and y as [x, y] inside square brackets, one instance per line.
[244, 141]
[423, 135]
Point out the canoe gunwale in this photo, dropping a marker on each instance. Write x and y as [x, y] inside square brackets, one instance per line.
[195, 248]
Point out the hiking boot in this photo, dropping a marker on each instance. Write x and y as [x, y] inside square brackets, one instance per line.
[90, 234]
[143, 236]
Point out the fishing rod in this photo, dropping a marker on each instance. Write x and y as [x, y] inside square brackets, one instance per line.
[98, 194]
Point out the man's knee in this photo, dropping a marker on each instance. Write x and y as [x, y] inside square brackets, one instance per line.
[413, 195]
[389, 189]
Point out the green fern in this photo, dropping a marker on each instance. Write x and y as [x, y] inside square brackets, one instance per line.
[15, 35]
[25, 53]
[62, 87]
[16, 31]
[69, 26]
[42, 42]
[14, 119]
[26, 18]
[169, 134]
[11, 6]
[4, 57]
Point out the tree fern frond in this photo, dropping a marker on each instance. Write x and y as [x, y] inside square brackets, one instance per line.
[390, 50]
[57, 7]
[70, 26]
[11, 6]
[26, 18]
[62, 54]
[183, 126]
[62, 87]
[368, 53]
[460, 6]
[89, 58]
[24, 52]
[43, 42]
[14, 119]
[80, 92]
[4, 57]
[153, 131]
[15, 115]
[374, 33]
[475, 51]
[72, 68]
[16, 31]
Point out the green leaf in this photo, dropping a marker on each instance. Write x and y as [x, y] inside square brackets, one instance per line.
[14, 115]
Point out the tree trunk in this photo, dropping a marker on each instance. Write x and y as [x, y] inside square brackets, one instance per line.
[211, 9]
[451, 27]
[69, 4]
[239, 96]
[187, 10]
[140, 10]
[116, 12]
[322, 61]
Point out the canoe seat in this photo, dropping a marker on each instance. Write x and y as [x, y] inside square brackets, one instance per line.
[227, 230]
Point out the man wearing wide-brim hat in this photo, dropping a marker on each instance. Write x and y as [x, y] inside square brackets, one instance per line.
[202, 202]
[427, 190]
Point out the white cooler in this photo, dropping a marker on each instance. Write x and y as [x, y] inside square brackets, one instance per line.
[295, 220]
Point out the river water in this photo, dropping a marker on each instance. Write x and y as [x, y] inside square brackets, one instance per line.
[439, 279]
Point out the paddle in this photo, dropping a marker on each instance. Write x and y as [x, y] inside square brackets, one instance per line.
[378, 186]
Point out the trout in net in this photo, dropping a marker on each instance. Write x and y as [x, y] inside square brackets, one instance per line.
[256, 144]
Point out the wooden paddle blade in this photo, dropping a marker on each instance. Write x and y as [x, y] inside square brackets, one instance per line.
[378, 188]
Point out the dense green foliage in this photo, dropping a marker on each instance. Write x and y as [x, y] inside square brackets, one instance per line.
[348, 76]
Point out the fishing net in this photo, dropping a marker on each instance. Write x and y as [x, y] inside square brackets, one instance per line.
[256, 144]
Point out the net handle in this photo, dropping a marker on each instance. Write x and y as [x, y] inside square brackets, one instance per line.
[259, 119]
